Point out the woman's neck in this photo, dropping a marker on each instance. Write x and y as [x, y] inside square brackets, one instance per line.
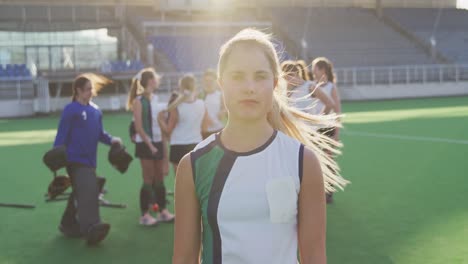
[189, 98]
[241, 136]
[210, 91]
[82, 101]
[147, 95]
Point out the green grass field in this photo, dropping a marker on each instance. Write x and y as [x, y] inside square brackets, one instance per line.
[408, 201]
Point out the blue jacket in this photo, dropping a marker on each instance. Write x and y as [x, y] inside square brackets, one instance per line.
[80, 129]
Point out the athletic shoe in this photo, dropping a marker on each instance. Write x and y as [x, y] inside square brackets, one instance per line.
[70, 232]
[97, 233]
[148, 220]
[165, 216]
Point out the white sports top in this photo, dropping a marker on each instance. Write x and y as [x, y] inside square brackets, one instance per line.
[303, 101]
[319, 106]
[213, 106]
[188, 128]
[249, 201]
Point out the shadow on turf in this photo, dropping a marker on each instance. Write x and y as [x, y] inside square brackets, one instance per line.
[356, 245]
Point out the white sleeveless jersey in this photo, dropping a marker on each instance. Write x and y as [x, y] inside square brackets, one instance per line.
[327, 89]
[188, 128]
[213, 106]
[302, 99]
[249, 201]
[156, 107]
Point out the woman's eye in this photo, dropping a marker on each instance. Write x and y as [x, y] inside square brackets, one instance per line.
[260, 77]
[237, 77]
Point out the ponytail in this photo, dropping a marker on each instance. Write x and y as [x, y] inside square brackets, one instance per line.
[134, 91]
[139, 84]
[186, 83]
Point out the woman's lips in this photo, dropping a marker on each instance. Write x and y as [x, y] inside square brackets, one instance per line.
[248, 102]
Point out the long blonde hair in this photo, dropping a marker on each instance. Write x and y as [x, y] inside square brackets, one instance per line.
[139, 83]
[186, 83]
[285, 117]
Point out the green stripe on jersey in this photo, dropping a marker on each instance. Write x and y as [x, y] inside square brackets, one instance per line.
[205, 167]
[146, 116]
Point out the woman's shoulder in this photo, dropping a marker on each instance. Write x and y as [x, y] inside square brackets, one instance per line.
[286, 140]
[93, 105]
[71, 108]
[200, 103]
[137, 98]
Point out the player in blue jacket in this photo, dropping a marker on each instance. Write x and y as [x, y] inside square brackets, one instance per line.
[80, 129]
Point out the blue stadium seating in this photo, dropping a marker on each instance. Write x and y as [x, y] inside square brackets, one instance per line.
[122, 66]
[14, 71]
[190, 52]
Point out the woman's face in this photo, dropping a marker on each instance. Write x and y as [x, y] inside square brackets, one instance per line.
[247, 83]
[317, 72]
[291, 78]
[209, 83]
[85, 93]
[152, 85]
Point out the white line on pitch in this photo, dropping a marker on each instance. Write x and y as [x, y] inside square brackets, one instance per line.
[404, 137]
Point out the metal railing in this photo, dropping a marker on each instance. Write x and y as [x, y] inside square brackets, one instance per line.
[410, 74]
[170, 81]
[16, 89]
[20, 88]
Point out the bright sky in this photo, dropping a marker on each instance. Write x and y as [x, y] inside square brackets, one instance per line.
[462, 4]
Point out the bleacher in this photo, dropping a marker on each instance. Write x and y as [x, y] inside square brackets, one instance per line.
[14, 71]
[16, 82]
[451, 33]
[56, 17]
[190, 52]
[129, 66]
[350, 37]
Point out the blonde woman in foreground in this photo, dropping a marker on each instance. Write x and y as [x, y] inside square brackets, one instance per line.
[255, 192]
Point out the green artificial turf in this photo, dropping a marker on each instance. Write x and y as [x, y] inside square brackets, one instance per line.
[408, 201]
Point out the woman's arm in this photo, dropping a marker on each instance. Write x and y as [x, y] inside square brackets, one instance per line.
[139, 126]
[168, 127]
[165, 143]
[187, 234]
[323, 97]
[312, 212]
[206, 122]
[64, 127]
[336, 98]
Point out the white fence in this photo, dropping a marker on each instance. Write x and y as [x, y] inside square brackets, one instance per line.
[415, 74]
[27, 97]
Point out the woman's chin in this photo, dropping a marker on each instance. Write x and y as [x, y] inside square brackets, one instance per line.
[250, 116]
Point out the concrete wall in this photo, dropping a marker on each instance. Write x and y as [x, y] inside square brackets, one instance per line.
[19, 108]
[107, 103]
[16, 108]
[382, 92]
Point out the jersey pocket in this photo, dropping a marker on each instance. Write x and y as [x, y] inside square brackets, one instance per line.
[282, 200]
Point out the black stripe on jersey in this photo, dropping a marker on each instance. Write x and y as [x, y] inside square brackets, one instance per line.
[301, 162]
[225, 166]
[194, 155]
